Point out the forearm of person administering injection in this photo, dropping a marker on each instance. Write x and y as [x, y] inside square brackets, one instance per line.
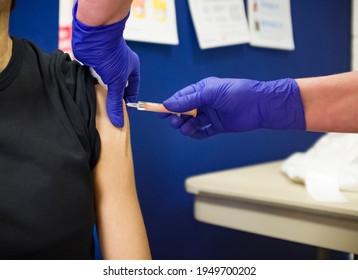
[326, 104]
[331, 102]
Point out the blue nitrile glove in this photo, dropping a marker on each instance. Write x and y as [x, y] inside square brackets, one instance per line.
[235, 105]
[104, 49]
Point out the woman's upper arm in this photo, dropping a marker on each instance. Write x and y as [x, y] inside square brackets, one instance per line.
[120, 225]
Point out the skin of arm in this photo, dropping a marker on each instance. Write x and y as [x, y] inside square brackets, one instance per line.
[121, 230]
[102, 12]
[331, 102]
[5, 41]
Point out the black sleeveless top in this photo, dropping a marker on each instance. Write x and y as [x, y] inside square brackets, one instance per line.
[48, 148]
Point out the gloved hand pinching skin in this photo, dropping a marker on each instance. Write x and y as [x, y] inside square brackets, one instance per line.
[237, 105]
[104, 49]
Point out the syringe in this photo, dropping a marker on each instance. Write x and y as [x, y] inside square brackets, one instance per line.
[157, 107]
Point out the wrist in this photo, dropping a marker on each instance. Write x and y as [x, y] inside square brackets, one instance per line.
[93, 45]
[117, 26]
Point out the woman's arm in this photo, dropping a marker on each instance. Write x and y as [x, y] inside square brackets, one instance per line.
[120, 224]
[331, 102]
[102, 12]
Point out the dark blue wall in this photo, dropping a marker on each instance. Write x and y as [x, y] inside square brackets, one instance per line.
[163, 158]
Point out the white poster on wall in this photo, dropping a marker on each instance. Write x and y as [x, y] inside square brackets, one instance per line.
[65, 25]
[152, 21]
[271, 24]
[219, 23]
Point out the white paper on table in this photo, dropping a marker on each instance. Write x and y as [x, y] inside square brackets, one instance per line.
[328, 168]
[219, 23]
[271, 24]
[322, 186]
[152, 21]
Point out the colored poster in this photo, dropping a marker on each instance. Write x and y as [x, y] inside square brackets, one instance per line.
[152, 21]
[65, 25]
[271, 24]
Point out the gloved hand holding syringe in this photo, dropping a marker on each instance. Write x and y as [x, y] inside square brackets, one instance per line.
[159, 108]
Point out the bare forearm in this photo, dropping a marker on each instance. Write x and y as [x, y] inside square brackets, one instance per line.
[102, 12]
[331, 102]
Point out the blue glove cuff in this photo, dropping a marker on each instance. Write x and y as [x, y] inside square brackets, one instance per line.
[103, 42]
[283, 105]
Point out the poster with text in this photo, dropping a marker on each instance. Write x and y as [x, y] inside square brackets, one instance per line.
[152, 21]
[219, 23]
[271, 24]
[65, 25]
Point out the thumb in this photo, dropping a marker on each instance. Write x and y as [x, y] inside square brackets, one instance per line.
[184, 100]
[132, 90]
[115, 107]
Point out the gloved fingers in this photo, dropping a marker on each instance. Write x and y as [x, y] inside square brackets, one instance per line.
[176, 122]
[185, 100]
[130, 98]
[132, 90]
[115, 107]
[184, 103]
[202, 119]
[189, 127]
[192, 125]
[204, 132]
[187, 90]
[163, 115]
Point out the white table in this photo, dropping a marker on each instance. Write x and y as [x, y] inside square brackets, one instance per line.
[259, 199]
